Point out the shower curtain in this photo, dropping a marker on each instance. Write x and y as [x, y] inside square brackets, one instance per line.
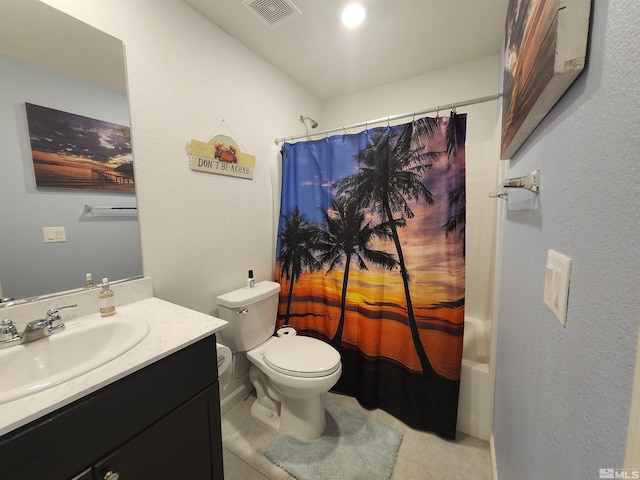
[370, 258]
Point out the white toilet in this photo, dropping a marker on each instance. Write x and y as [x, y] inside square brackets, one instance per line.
[289, 373]
[224, 366]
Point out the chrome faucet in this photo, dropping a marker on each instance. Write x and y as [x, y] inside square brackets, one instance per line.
[44, 327]
[8, 334]
[34, 330]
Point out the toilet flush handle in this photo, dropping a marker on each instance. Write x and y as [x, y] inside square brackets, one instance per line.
[244, 311]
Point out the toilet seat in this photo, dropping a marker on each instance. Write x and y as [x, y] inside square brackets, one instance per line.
[300, 356]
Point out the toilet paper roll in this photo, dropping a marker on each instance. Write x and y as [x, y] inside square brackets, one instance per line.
[286, 332]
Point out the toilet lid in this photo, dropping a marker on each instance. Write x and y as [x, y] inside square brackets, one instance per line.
[300, 356]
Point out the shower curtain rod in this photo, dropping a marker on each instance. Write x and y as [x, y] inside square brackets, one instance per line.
[451, 106]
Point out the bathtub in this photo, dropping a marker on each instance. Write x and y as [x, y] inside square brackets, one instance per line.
[475, 404]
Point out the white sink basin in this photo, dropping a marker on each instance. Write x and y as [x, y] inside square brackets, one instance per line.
[81, 347]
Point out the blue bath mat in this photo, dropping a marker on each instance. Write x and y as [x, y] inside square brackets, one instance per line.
[353, 446]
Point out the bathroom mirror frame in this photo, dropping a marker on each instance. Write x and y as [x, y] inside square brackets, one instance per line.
[43, 39]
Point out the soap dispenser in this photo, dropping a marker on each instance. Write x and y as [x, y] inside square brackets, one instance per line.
[88, 283]
[107, 299]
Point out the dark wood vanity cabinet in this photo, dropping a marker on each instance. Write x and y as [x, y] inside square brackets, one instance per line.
[177, 447]
[162, 422]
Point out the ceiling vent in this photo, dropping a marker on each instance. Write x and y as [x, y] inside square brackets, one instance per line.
[273, 12]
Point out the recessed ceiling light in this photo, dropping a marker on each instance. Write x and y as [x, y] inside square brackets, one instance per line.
[353, 15]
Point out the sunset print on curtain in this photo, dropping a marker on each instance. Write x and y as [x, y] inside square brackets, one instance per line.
[370, 258]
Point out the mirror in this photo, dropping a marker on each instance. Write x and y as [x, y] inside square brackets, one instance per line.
[50, 59]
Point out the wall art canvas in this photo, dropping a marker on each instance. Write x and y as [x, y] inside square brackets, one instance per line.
[72, 151]
[545, 51]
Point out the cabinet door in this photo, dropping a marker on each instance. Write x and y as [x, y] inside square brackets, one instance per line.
[186, 444]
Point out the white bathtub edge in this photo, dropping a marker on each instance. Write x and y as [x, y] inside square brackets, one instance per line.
[475, 401]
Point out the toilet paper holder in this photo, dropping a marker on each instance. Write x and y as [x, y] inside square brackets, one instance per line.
[286, 331]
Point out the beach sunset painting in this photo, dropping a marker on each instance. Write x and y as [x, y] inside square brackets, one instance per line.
[545, 51]
[73, 151]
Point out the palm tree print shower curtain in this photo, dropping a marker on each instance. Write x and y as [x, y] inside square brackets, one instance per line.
[370, 258]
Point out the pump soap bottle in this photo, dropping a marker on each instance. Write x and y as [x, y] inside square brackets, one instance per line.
[88, 283]
[250, 281]
[107, 299]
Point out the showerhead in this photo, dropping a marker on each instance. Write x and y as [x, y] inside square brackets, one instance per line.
[312, 122]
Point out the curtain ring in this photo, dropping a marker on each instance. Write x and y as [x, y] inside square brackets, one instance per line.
[437, 111]
[388, 124]
[453, 108]
[414, 117]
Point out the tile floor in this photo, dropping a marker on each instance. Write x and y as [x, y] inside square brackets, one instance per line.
[422, 456]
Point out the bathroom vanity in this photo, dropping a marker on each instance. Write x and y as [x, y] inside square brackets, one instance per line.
[160, 422]
[151, 413]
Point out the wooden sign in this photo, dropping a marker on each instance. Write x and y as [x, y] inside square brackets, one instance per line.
[220, 155]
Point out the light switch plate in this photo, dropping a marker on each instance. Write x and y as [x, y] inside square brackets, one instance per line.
[54, 234]
[556, 284]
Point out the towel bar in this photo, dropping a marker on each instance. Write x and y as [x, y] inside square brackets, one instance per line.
[530, 182]
[109, 211]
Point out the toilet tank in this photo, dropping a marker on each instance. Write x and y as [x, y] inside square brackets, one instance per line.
[251, 313]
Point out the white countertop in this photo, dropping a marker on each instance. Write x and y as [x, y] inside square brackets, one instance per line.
[172, 328]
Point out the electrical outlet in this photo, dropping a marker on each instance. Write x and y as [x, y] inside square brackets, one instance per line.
[556, 284]
[54, 234]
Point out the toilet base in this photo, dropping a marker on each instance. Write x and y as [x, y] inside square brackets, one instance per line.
[265, 416]
[266, 407]
[303, 418]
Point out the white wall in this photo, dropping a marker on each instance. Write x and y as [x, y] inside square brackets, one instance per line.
[464, 82]
[562, 399]
[563, 394]
[200, 232]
